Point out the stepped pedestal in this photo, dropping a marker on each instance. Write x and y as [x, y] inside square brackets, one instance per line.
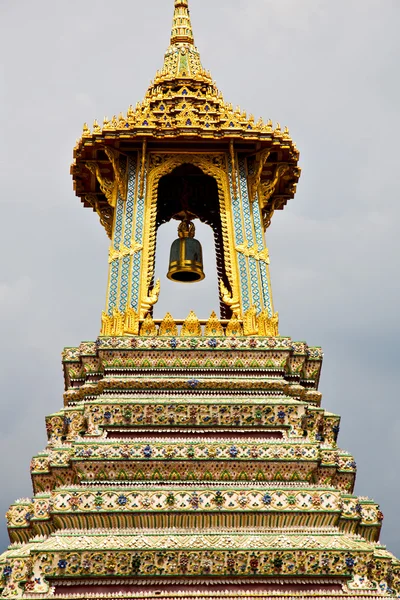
[194, 468]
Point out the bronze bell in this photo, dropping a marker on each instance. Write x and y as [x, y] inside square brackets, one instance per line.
[186, 258]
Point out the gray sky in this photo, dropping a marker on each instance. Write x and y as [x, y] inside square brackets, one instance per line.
[329, 70]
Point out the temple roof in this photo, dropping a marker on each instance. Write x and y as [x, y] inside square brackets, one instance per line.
[183, 106]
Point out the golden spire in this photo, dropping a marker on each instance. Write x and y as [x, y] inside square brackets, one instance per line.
[182, 32]
[182, 58]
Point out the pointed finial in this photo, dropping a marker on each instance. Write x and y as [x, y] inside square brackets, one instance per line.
[182, 32]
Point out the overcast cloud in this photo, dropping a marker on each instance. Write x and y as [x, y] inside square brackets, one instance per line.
[330, 71]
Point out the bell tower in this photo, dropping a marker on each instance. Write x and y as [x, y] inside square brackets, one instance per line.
[192, 459]
[183, 149]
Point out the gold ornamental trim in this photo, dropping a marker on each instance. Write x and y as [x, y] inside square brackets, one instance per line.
[215, 165]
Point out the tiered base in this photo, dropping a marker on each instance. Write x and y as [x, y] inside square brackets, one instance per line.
[247, 590]
[188, 563]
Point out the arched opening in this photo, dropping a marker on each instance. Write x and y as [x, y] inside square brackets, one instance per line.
[188, 188]
[201, 297]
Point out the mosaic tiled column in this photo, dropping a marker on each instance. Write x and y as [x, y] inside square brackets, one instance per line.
[239, 240]
[129, 215]
[125, 254]
[248, 224]
[249, 234]
[262, 264]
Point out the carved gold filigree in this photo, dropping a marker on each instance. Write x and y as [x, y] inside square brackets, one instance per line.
[210, 164]
[254, 252]
[213, 327]
[119, 324]
[106, 324]
[108, 187]
[191, 326]
[131, 322]
[268, 326]
[150, 300]
[263, 256]
[96, 127]
[255, 178]
[119, 173]
[234, 327]
[250, 321]
[186, 115]
[105, 213]
[268, 187]
[114, 254]
[168, 326]
[190, 107]
[86, 130]
[229, 299]
[148, 328]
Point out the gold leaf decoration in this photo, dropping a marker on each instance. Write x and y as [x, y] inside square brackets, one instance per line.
[106, 324]
[234, 327]
[118, 323]
[105, 213]
[150, 300]
[148, 328]
[250, 321]
[107, 186]
[214, 327]
[253, 251]
[191, 326]
[131, 325]
[229, 299]
[168, 326]
[268, 326]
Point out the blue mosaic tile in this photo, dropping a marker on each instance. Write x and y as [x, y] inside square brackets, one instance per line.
[258, 226]
[119, 219]
[236, 210]
[140, 212]
[255, 284]
[245, 202]
[113, 290]
[137, 259]
[130, 202]
[259, 229]
[139, 221]
[244, 282]
[237, 220]
[128, 227]
[265, 288]
[239, 240]
[124, 283]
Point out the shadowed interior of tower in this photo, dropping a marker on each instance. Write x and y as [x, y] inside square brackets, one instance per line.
[188, 191]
